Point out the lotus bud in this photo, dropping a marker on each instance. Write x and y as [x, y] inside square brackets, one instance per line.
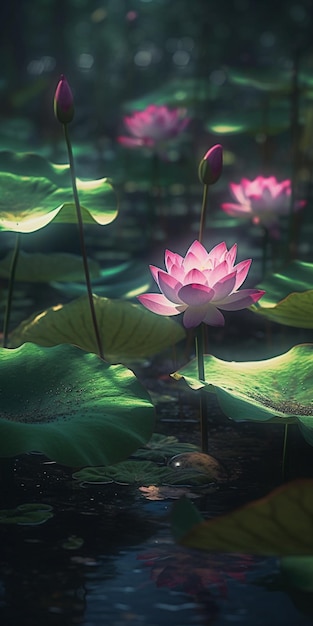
[63, 102]
[210, 167]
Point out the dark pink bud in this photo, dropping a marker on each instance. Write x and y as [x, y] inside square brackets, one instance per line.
[211, 165]
[63, 102]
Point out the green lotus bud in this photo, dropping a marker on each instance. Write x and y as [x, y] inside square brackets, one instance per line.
[63, 102]
[210, 167]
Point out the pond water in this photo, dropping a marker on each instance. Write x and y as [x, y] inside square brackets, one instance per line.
[105, 553]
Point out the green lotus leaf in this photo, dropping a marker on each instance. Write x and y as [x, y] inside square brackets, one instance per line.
[262, 80]
[29, 514]
[128, 331]
[70, 406]
[179, 92]
[281, 524]
[163, 447]
[42, 268]
[278, 389]
[143, 473]
[276, 120]
[34, 192]
[288, 297]
[126, 281]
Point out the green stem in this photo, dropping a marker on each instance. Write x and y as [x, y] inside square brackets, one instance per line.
[283, 464]
[200, 343]
[8, 308]
[203, 211]
[82, 242]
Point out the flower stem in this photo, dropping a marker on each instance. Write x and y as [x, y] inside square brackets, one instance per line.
[8, 308]
[203, 211]
[82, 242]
[200, 343]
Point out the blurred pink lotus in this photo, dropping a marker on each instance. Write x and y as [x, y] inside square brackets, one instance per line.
[262, 200]
[153, 126]
[200, 284]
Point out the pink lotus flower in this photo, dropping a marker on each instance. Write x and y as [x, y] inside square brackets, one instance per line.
[262, 200]
[200, 284]
[154, 125]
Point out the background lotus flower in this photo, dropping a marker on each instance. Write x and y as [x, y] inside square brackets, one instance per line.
[200, 284]
[262, 200]
[154, 125]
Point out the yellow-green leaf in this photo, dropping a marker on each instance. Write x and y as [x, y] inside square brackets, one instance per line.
[128, 331]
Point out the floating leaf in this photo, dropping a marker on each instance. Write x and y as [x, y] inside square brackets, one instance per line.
[263, 80]
[250, 122]
[128, 331]
[288, 297]
[125, 281]
[29, 514]
[42, 268]
[143, 473]
[34, 192]
[71, 406]
[279, 388]
[162, 447]
[281, 524]
[179, 92]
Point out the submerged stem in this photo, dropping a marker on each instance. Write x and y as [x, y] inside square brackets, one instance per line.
[8, 307]
[203, 401]
[82, 242]
[203, 211]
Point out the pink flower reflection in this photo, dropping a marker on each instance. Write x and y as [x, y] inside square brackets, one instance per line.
[153, 126]
[262, 200]
[200, 284]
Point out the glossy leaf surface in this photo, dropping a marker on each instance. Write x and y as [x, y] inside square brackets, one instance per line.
[128, 330]
[42, 268]
[277, 389]
[70, 406]
[288, 297]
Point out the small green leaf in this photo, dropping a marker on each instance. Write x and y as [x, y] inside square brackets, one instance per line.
[128, 331]
[162, 447]
[42, 268]
[143, 473]
[70, 406]
[288, 297]
[28, 514]
[281, 524]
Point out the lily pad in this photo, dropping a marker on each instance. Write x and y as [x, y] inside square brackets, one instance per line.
[70, 406]
[126, 280]
[35, 192]
[42, 268]
[252, 122]
[179, 92]
[263, 80]
[277, 389]
[288, 297]
[162, 447]
[143, 473]
[29, 514]
[297, 572]
[128, 331]
[281, 524]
